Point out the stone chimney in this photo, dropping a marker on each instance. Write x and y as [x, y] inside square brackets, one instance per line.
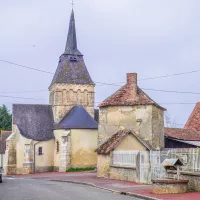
[132, 84]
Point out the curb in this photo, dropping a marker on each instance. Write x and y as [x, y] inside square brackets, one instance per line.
[107, 189]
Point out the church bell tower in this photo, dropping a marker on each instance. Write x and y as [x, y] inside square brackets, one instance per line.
[71, 84]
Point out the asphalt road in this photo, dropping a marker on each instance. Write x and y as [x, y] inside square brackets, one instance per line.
[29, 189]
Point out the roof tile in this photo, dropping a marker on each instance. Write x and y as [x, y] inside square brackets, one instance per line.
[182, 134]
[113, 141]
[194, 119]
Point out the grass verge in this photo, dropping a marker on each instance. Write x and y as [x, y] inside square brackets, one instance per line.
[80, 169]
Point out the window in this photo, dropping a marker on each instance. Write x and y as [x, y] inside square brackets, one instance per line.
[57, 147]
[40, 151]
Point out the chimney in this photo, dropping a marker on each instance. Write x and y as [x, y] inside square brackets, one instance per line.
[132, 84]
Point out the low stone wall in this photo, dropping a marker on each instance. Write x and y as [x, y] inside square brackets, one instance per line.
[169, 186]
[106, 170]
[123, 173]
[193, 177]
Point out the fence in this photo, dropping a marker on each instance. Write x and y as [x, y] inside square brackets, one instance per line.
[150, 161]
[125, 158]
[189, 157]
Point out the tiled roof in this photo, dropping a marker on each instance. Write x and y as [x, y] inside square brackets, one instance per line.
[194, 119]
[77, 118]
[5, 135]
[123, 97]
[34, 121]
[113, 141]
[182, 134]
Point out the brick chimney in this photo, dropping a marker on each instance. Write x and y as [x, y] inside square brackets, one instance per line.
[132, 84]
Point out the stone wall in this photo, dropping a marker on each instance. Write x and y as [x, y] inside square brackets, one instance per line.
[105, 169]
[123, 173]
[64, 96]
[62, 156]
[10, 163]
[194, 179]
[146, 121]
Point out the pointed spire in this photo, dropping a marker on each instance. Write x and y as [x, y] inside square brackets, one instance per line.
[71, 46]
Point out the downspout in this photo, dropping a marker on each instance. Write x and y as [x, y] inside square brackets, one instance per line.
[34, 159]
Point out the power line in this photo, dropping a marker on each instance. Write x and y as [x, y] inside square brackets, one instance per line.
[19, 92]
[23, 66]
[13, 97]
[115, 84]
[170, 91]
[165, 76]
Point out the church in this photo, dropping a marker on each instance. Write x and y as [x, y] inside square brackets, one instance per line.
[60, 135]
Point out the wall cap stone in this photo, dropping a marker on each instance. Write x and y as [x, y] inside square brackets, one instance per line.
[124, 167]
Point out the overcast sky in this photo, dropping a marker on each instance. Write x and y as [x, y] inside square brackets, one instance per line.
[150, 37]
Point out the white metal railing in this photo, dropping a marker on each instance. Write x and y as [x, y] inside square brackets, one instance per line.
[124, 158]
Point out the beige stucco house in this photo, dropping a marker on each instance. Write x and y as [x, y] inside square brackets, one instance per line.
[129, 120]
[60, 135]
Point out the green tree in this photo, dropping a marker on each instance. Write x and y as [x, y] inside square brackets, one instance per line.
[5, 118]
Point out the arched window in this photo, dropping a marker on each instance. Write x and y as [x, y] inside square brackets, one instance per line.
[57, 147]
[40, 151]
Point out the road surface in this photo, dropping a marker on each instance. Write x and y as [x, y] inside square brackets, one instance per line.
[29, 189]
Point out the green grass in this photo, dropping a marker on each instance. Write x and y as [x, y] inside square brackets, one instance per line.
[80, 169]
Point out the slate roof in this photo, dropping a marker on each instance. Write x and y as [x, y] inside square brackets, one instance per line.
[113, 141]
[77, 118]
[122, 97]
[72, 72]
[71, 46]
[71, 67]
[3, 137]
[182, 134]
[194, 119]
[34, 121]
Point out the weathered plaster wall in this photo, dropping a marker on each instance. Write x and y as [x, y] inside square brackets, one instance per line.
[130, 143]
[45, 162]
[62, 158]
[145, 121]
[64, 96]
[83, 146]
[10, 167]
[157, 128]
[20, 152]
[103, 166]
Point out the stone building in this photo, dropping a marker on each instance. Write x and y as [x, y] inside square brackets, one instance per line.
[3, 136]
[132, 109]
[137, 122]
[60, 135]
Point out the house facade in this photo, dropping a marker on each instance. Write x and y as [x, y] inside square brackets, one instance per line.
[60, 135]
[129, 120]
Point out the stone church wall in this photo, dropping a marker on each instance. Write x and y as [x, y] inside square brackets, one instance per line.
[62, 150]
[64, 96]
